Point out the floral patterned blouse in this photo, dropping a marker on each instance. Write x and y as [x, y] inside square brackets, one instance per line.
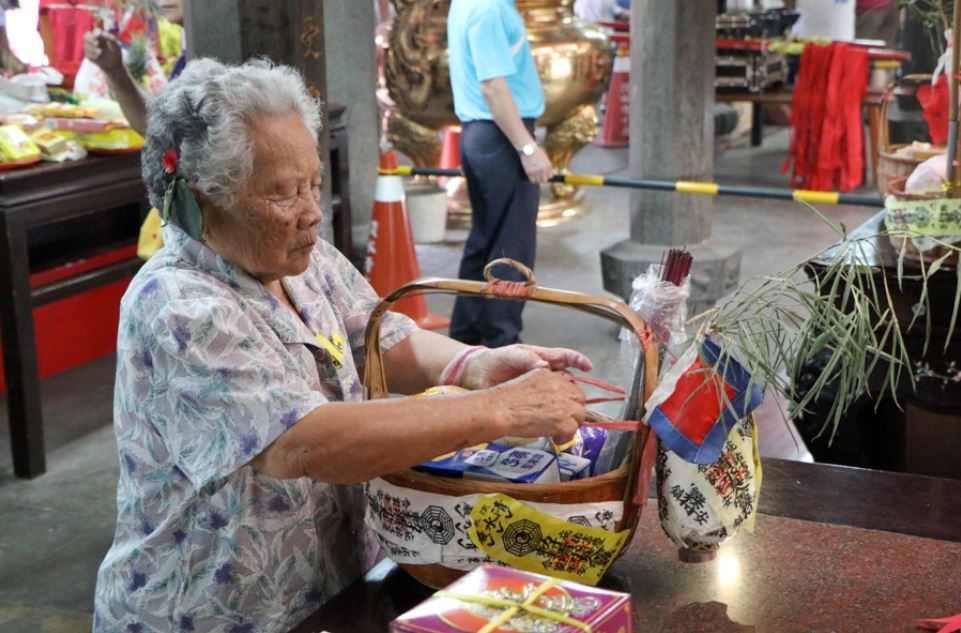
[211, 369]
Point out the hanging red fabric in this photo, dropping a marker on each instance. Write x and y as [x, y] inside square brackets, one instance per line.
[827, 141]
[852, 90]
[935, 101]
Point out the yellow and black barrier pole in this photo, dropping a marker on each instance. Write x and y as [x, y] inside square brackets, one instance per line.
[679, 186]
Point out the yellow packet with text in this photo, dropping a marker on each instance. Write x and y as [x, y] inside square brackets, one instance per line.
[16, 145]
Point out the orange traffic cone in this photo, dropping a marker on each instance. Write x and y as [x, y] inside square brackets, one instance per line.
[456, 186]
[450, 150]
[391, 260]
[616, 129]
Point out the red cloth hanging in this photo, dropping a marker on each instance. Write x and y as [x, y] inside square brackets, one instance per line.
[70, 20]
[827, 141]
[935, 101]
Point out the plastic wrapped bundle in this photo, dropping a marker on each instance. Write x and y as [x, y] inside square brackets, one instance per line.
[701, 506]
[708, 467]
[662, 304]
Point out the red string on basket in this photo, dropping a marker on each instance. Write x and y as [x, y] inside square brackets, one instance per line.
[507, 289]
[620, 394]
[645, 336]
[614, 425]
[941, 625]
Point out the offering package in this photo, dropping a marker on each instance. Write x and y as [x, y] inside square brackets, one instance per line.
[499, 599]
[592, 452]
[517, 464]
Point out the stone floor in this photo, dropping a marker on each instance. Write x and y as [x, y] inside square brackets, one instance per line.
[56, 528]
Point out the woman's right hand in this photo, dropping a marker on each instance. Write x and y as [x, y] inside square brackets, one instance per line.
[541, 403]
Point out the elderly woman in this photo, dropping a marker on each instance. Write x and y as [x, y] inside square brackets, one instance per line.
[239, 416]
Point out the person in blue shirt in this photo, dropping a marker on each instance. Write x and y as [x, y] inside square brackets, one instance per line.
[497, 98]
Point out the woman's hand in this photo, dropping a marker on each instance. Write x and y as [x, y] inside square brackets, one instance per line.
[540, 403]
[104, 51]
[492, 367]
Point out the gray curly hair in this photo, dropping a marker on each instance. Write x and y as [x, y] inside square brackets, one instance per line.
[205, 115]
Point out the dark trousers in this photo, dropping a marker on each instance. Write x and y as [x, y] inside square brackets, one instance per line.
[503, 224]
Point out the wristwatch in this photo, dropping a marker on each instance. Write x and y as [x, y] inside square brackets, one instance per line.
[527, 150]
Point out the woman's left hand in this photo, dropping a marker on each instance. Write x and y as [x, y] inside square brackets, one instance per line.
[491, 367]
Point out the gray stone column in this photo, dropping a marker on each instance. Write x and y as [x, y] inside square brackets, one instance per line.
[287, 31]
[351, 80]
[672, 138]
[213, 29]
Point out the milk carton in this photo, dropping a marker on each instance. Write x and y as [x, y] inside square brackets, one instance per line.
[518, 464]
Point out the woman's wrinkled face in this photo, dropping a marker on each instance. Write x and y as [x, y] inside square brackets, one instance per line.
[272, 228]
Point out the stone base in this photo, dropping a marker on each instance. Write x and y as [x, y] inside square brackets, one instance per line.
[715, 272]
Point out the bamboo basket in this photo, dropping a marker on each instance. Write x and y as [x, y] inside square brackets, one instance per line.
[906, 245]
[619, 485]
[890, 165]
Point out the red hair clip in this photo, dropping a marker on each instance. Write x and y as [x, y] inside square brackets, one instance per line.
[170, 160]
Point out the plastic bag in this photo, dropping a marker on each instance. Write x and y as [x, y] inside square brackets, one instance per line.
[928, 176]
[663, 306]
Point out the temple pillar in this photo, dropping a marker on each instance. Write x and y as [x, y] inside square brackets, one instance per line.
[672, 138]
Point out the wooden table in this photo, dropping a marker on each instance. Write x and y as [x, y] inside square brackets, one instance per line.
[47, 198]
[33, 201]
[834, 549]
[871, 105]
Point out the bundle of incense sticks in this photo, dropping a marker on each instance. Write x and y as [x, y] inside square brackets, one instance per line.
[675, 266]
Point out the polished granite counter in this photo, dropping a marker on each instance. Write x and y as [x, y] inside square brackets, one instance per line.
[812, 563]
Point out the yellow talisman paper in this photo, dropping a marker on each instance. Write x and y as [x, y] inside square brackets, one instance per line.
[936, 218]
[513, 533]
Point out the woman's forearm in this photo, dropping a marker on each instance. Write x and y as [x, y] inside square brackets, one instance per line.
[131, 100]
[348, 442]
[415, 364]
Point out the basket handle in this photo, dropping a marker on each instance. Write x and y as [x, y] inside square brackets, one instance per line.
[642, 452]
[375, 378]
[884, 140]
[513, 263]
[883, 130]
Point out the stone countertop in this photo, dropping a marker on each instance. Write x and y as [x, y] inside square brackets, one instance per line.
[791, 574]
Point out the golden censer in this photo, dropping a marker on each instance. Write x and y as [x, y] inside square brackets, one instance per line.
[573, 58]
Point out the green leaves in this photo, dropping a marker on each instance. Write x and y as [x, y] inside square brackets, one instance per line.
[840, 318]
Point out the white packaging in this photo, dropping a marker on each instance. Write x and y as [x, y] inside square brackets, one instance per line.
[830, 19]
[573, 467]
[519, 465]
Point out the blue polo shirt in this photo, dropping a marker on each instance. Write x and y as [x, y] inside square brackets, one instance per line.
[486, 39]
